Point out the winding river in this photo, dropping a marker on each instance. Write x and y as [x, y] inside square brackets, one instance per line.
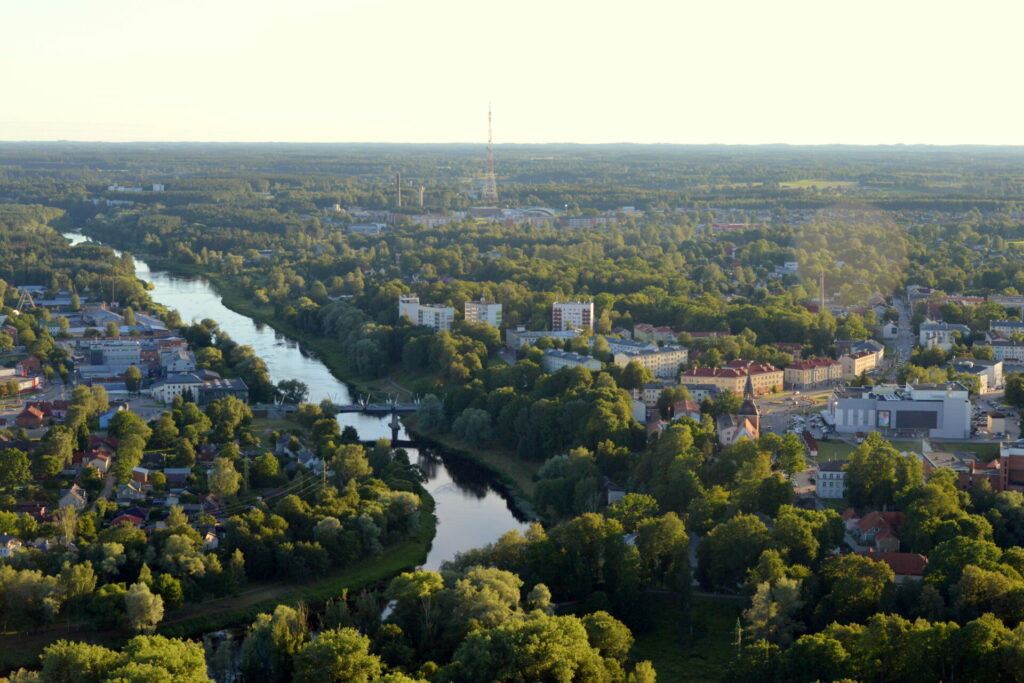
[471, 509]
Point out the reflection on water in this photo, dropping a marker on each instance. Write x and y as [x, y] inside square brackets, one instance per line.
[471, 507]
[463, 492]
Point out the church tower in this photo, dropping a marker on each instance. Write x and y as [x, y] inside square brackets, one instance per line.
[749, 408]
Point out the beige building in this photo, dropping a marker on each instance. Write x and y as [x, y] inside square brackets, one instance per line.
[813, 372]
[662, 362]
[856, 364]
[765, 378]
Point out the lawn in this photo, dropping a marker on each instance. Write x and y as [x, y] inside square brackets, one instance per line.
[834, 450]
[694, 649]
[982, 450]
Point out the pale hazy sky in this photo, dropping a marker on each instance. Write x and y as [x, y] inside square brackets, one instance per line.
[898, 71]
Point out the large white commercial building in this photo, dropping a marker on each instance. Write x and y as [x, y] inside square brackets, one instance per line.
[941, 411]
[566, 315]
[483, 312]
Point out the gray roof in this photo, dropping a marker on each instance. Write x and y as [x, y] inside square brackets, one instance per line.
[832, 466]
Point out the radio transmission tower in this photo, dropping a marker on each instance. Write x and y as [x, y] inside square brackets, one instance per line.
[490, 188]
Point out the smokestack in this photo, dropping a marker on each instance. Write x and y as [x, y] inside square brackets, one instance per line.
[398, 190]
[422, 189]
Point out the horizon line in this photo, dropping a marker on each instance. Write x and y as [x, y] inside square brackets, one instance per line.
[513, 144]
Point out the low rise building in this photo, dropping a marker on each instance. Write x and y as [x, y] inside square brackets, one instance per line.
[856, 364]
[662, 361]
[1007, 351]
[940, 411]
[941, 334]
[831, 479]
[650, 333]
[1006, 327]
[556, 359]
[813, 372]
[519, 337]
[765, 378]
[988, 372]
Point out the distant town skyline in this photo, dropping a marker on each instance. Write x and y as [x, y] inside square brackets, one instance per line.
[795, 72]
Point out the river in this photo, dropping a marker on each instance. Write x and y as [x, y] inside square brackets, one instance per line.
[471, 509]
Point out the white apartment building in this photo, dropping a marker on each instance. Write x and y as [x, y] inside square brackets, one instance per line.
[567, 315]
[434, 316]
[831, 479]
[556, 359]
[483, 312]
[1009, 351]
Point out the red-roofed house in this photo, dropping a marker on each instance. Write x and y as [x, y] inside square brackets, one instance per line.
[30, 418]
[906, 566]
[131, 519]
[686, 408]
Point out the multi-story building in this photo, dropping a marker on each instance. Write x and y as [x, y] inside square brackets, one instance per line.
[434, 316]
[1006, 327]
[519, 337]
[765, 378]
[1007, 351]
[941, 411]
[940, 334]
[483, 312]
[566, 315]
[831, 479]
[124, 352]
[988, 372]
[662, 361]
[856, 364]
[813, 372]
[556, 359]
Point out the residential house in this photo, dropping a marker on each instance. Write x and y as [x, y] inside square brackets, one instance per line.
[30, 418]
[75, 497]
[126, 518]
[906, 566]
[9, 545]
[132, 491]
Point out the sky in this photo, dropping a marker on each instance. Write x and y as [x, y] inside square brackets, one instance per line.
[898, 71]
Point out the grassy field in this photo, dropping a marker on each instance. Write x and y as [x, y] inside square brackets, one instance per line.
[833, 450]
[694, 649]
[820, 184]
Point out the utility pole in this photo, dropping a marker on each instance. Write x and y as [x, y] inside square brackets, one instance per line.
[245, 475]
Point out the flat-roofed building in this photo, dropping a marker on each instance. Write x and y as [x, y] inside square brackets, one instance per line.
[663, 361]
[566, 315]
[483, 311]
[940, 411]
[556, 359]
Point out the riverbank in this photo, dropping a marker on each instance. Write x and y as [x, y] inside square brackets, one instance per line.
[195, 619]
[515, 474]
